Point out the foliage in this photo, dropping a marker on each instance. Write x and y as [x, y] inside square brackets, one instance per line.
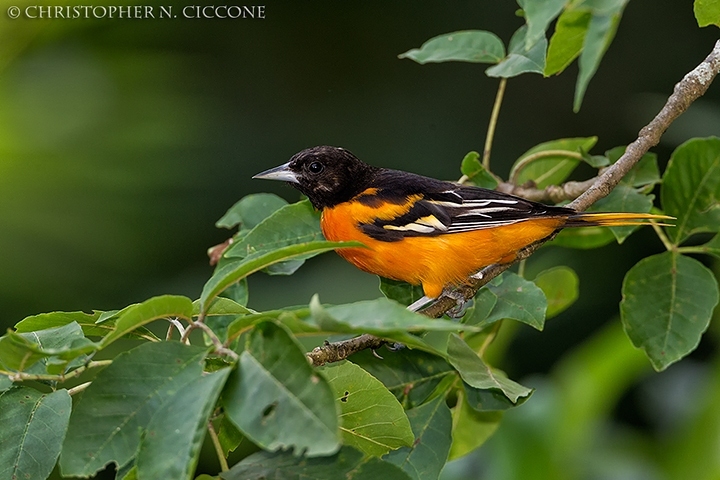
[247, 379]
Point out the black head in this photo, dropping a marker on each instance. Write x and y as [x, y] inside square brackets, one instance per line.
[327, 175]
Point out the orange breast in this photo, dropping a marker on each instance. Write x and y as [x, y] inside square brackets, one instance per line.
[434, 262]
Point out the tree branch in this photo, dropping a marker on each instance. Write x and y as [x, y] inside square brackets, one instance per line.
[690, 88]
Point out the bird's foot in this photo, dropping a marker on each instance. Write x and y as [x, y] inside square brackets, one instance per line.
[460, 303]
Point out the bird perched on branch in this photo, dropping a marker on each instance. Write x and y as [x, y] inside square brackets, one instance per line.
[420, 230]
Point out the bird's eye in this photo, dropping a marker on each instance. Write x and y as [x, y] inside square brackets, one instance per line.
[316, 167]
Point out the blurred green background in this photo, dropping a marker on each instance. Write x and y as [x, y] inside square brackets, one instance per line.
[122, 142]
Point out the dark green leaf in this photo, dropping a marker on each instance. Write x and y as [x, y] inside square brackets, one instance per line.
[372, 420]
[471, 428]
[567, 41]
[488, 400]
[431, 425]
[411, 375]
[551, 169]
[691, 188]
[624, 198]
[229, 436]
[518, 299]
[521, 58]
[97, 324]
[560, 286]
[479, 375]
[538, 15]
[477, 46]
[707, 12]
[347, 464]
[401, 292]
[251, 210]
[277, 399]
[476, 173]
[483, 304]
[171, 445]
[32, 433]
[238, 292]
[668, 300]
[107, 423]
[165, 306]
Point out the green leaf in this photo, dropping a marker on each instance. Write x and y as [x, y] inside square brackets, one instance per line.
[165, 306]
[538, 15]
[471, 428]
[476, 173]
[229, 436]
[567, 41]
[237, 292]
[477, 374]
[32, 433]
[93, 325]
[551, 169]
[251, 210]
[477, 46]
[5, 383]
[668, 300]
[624, 198]
[431, 425]
[401, 292]
[483, 304]
[222, 306]
[347, 464]
[561, 288]
[378, 317]
[107, 423]
[488, 400]
[521, 58]
[711, 248]
[411, 375]
[372, 420]
[707, 12]
[238, 270]
[171, 445]
[599, 36]
[19, 351]
[276, 398]
[691, 188]
[518, 299]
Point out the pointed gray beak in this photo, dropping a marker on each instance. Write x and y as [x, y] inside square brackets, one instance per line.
[282, 173]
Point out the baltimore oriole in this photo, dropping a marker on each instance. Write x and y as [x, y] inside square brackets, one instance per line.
[421, 230]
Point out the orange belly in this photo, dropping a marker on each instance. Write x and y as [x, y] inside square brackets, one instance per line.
[433, 262]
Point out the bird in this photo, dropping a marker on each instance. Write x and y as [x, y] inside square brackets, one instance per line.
[420, 230]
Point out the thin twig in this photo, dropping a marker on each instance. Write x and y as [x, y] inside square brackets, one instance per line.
[77, 389]
[493, 123]
[22, 376]
[690, 88]
[220, 349]
[224, 467]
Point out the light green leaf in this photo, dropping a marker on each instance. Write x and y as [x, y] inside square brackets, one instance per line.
[476, 173]
[668, 300]
[471, 428]
[691, 188]
[372, 420]
[538, 15]
[93, 325]
[347, 464]
[170, 447]
[276, 398]
[411, 375]
[518, 299]
[599, 36]
[238, 270]
[251, 210]
[479, 375]
[222, 306]
[477, 46]
[431, 425]
[107, 423]
[521, 58]
[561, 288]
[551, 169]
[165, 306]
[707, 12]
[32, 433]
[567, 41]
